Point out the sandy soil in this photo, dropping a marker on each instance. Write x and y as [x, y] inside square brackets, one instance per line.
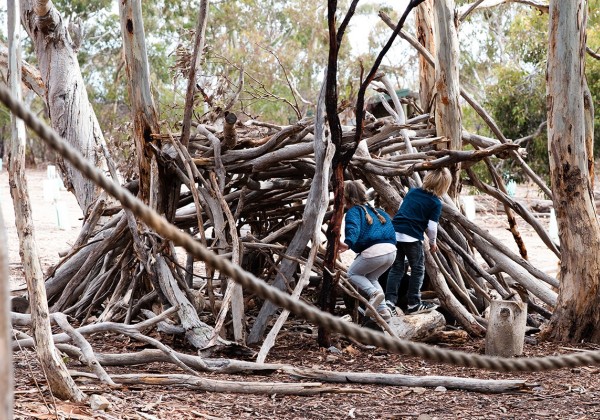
[559, 394]
[490, 216]
[50, 237]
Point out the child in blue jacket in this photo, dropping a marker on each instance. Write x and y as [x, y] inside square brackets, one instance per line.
[419, 213]
[369, 232]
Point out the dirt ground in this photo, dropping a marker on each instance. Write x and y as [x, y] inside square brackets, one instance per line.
[559, 394]
[50, 237]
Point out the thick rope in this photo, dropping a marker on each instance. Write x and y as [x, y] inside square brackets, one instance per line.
[265, 291]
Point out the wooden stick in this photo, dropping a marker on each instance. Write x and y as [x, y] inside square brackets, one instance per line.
[302, 283]
[87, 353]
[450, 382]
[212, 385]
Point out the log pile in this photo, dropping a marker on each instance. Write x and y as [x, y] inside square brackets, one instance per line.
[254, 202]
[247, 203]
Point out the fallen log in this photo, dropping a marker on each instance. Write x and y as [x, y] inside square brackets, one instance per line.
[212, 385]
[417, 327]
[229, 366]
[450, 382]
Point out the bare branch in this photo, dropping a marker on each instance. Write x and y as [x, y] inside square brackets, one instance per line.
[465, 10]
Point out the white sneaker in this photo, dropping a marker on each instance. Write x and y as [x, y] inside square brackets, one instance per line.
[386, 314]
[375, 299]
[391, 307]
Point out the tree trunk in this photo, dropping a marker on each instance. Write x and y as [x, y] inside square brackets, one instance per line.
[424, 22]
[576, 316]
[59, 381]
[145, 119]
[448, 120]
[156, 186]
[70, 111]
[6, 384]
[30, 75]
[327, 293]
[588, 106]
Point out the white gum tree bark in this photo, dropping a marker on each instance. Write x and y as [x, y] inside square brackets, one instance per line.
[448, 119]
[576, 316]
[59, 380]
[71, 113]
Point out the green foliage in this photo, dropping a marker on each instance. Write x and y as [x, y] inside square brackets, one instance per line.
[511, 80]
[517, 101]
[528, 39]
[284, 44]
[509, 76]
[81, 9]
[593, 67]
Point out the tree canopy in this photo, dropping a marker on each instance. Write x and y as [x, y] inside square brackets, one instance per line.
[509, 74]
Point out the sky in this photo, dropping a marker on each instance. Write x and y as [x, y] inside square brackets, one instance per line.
[361, 27]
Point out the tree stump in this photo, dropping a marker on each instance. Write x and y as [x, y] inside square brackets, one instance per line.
[506, 328]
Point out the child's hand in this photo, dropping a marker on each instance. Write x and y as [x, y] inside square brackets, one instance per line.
[433, 247]
[342, 247]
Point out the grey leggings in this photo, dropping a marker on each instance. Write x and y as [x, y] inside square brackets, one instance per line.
[364, 273]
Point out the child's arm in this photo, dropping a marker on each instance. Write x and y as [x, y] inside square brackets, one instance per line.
[352, 231]
[431, 232]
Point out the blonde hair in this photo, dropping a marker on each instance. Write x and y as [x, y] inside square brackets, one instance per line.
[355, 194]
[438, 181]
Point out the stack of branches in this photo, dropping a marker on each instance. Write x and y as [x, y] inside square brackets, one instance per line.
[246, 189]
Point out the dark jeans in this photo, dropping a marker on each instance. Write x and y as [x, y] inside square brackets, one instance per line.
[413, 251]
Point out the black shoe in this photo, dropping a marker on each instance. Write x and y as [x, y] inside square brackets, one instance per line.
[421, 308]
[391, 307]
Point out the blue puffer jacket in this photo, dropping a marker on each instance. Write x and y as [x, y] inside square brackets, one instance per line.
[360, 235]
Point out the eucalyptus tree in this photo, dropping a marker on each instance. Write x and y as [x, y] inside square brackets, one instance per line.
[6, 385]
[576, 317]
[6, 360]
[65, 96]
[60, 382]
